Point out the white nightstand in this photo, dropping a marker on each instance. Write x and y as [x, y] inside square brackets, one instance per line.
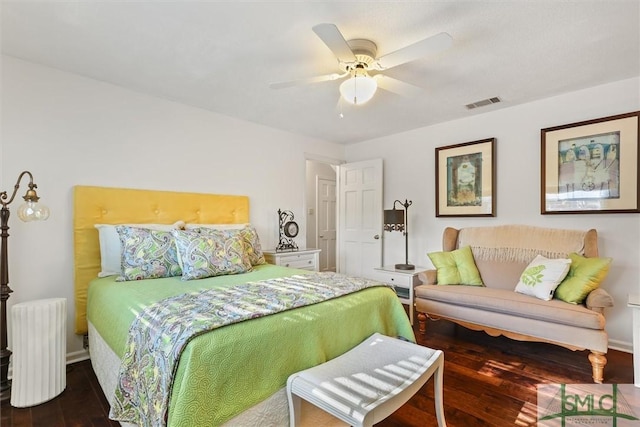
[305, 259]
[403, 282]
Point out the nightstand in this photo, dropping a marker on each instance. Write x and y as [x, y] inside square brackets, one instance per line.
[305, 259]
[403, 282]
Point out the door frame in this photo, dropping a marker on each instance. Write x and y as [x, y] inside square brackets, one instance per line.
[378, 232]
[318, 180]
[335, 163]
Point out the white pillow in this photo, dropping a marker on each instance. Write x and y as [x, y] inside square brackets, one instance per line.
[542, 276]
[216, 226]
[111, 249]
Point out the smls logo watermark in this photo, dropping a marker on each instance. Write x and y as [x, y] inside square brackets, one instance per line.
[569, 405]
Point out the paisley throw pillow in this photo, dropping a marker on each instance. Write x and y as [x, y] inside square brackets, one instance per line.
[214, 253]
[147, 254]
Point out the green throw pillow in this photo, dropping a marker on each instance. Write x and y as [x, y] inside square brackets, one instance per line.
[585, 275]
[456, 267]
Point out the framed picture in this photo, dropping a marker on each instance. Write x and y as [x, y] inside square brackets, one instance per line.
[591, 166]
[465, 179]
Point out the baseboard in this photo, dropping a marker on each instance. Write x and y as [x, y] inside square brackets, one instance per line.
[77, 356]
[624, 346]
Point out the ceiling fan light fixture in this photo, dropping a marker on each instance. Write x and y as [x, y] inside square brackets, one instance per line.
[359, 89]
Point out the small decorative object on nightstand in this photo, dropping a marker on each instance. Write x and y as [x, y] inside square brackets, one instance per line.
[396, 220]
[403, 282]
[288, 229]
[305, 259]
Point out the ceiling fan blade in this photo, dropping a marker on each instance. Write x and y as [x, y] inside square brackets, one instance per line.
[308, 80]
[332, 37]
[417, 50]
[397, 86]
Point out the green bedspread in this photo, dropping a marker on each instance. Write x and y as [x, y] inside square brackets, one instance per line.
[222, 373]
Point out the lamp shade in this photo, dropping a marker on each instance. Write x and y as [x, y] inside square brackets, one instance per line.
[394, 217]
[33, 211]
[395, 220]
[358, 89]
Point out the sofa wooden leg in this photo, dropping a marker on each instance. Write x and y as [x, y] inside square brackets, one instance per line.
[598, 360]
[422, 323]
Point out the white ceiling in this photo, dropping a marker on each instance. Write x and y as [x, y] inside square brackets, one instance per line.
[221, 56]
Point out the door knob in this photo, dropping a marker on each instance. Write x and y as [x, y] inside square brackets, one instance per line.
[377, 237]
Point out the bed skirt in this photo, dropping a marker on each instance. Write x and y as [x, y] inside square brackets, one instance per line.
[271, 412]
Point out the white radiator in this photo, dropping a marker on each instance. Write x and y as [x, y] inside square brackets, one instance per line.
[39, 347]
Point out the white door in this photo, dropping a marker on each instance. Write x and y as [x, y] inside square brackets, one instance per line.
[360, 217]
[326, 226]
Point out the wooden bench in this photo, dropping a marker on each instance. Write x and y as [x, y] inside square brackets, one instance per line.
[369, 382]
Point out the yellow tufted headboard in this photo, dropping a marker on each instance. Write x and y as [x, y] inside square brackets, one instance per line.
[103, 205]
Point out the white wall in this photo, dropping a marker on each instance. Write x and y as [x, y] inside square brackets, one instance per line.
[409, 160]
[68, 130]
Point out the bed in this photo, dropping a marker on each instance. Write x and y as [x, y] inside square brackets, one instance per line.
[232, 375]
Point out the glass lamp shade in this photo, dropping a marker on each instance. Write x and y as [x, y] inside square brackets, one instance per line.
[358, 89]
[33, 211]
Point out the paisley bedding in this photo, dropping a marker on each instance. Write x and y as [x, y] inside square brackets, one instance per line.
[221, 373]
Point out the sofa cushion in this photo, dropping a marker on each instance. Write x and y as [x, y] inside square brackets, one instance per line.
[536, 330]
[456, 267]
[501, 253]
[585, 275]
[500, 274]
[509, 302]
[542, 276]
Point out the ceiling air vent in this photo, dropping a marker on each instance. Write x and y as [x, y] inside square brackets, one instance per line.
[483, 102]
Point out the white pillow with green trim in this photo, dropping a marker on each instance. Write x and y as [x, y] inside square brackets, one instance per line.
[542, 276]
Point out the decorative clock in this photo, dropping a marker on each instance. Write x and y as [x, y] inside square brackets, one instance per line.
[288, 229]
[291, 229]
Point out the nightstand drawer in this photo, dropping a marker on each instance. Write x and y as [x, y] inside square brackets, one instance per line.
[404, 280]
[304, 259]
[298, 261]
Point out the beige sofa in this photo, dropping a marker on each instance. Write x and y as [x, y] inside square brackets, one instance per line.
[501, 254]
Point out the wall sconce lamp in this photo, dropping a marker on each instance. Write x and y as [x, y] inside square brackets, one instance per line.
[30, 210]
[396, 220]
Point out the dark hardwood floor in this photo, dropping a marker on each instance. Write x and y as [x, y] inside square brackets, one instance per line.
[487, 382]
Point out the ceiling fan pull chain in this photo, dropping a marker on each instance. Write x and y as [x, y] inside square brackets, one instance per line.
[355, 89]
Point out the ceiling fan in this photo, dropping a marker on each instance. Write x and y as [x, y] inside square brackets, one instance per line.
[357, 59]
